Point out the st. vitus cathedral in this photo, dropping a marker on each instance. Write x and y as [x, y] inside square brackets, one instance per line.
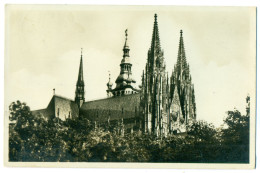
[162, 105]
[168, 103]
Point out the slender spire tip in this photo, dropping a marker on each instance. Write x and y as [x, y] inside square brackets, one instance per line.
[181, 33]
[126, 34]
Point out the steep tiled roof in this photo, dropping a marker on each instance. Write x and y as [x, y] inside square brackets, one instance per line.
[113, 108]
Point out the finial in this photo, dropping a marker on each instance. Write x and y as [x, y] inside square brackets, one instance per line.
[126, 34]
[53, 91]
[181, 33]
[109, 75]
[126, 45]
[155, 17]
[81, 51]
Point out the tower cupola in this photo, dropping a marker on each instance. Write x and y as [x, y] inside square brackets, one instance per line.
[124, 81]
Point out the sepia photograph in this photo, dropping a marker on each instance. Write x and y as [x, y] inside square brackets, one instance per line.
[132, 86]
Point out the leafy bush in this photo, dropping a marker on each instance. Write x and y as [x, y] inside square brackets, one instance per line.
[34, 138]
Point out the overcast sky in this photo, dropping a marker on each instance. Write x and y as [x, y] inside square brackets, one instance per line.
[43, 51]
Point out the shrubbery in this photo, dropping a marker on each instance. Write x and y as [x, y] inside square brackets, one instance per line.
[37, 139]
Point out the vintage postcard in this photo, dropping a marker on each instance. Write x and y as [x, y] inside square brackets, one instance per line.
[130, 86]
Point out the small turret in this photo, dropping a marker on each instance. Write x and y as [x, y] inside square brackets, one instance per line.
[109, 84]
[109, 87]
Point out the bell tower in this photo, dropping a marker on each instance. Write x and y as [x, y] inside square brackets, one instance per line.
[80, 91]
[154, 87]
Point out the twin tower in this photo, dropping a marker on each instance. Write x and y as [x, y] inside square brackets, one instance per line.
[167, 103]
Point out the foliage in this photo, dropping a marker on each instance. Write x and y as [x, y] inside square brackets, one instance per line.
[236, 137]
[34, 138]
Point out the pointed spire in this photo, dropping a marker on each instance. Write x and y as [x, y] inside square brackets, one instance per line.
[155, 38]
[80, 75]
[181, 61]
[80, 90]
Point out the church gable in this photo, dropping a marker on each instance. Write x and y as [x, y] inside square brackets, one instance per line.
[65, 108]
[60, 107]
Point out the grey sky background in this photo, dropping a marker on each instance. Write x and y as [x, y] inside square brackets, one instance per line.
[43, 51]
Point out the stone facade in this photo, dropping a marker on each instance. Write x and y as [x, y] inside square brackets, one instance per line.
[168, 104]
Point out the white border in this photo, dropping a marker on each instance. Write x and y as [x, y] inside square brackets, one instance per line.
[111, 2]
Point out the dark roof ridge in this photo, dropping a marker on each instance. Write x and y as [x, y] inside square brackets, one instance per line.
[110, 97]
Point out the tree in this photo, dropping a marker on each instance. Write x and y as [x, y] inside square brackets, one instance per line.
[201, 131]
[236, 137]
[203, 145]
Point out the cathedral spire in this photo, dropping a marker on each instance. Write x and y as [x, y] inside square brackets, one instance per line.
[181, 61]
[80, 91]
[80, 75]
[155, 38]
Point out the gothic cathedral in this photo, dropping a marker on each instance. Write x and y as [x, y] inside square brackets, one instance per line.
[162, 105]
[168, 103]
